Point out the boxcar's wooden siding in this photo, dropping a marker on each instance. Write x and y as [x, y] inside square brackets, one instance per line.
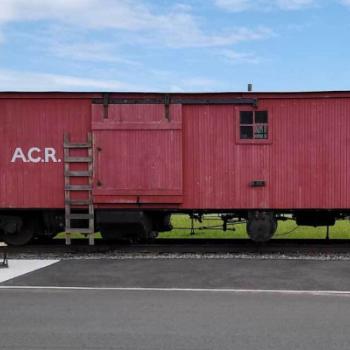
[218, 169]
[202, 166]
[37, 122]
[306, 165]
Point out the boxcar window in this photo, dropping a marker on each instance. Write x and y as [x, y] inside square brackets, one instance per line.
[253, 125]
[261, 117]
[246, 117]
[246, 132]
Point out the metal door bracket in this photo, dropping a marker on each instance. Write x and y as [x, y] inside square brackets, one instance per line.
[105, 105]
[167, 107]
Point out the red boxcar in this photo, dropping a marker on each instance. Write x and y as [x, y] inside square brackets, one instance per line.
[123, 162]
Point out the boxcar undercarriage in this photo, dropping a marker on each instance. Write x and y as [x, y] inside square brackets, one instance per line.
[20, 227]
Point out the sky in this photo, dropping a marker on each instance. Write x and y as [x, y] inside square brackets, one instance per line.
[174, 46]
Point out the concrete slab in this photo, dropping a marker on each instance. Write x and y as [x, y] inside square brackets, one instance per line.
[21, 267]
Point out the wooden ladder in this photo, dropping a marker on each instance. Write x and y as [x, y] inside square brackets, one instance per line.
[78, 209]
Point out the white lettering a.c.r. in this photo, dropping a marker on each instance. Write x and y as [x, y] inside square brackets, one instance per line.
[33, 155]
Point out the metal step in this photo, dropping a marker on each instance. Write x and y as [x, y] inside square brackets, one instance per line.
[79, 201]
[80, 216]
[78, 188]
[77, 145]
[79, 230]
[78, 173]
[78, 159]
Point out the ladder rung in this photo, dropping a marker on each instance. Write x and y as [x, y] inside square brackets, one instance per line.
[79, 230]
[78, 188]
[80, 216]
[77, 145]
[78, 159]
[78, 173]
[79, 202]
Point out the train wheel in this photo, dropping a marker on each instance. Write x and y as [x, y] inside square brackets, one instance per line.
[151, 236]
[261, 226]
[21, 237]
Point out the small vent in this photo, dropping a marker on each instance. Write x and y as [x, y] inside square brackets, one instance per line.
[258, 183]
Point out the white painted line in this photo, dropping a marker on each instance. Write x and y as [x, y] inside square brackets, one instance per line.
[196, 290]
[20, 267]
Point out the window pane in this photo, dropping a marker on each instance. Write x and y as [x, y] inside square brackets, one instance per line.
[246, 132]
[246, 117]
[261, 117]
[260, 132]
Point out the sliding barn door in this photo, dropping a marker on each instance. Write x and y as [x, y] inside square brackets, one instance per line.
[137, 153]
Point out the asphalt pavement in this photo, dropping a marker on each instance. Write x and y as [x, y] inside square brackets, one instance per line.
[193, 273]
[178, 304]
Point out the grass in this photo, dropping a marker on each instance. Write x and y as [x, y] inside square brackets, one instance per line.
[286, 230]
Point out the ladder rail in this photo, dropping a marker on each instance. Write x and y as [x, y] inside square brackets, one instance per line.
[84, 206]
[91, 205]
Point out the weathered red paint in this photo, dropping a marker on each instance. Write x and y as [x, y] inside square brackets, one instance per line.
[195, 160]
[27, 123]
[138, 153]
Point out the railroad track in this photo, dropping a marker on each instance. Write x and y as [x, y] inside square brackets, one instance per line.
[163, 247]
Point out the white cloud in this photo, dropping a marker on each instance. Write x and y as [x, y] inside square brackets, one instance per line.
[232, 56]
[192, 84]
[293, 4]
[234, 5]
[11, 80]
[88, 51]
[345, 2]
[72, 44]
[17, 10]
[184, 83]
[28, 81]
[242, 5]
[199, 83]
[193, 37]
[174, 27]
